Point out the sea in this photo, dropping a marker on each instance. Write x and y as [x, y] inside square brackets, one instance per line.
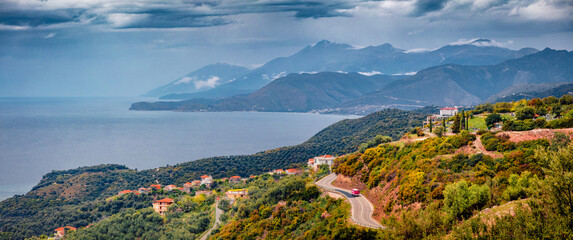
[40, 135]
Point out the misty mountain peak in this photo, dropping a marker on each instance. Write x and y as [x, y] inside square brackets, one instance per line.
[481, 41]
[325, 44]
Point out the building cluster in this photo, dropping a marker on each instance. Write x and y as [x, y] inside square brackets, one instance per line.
[315, 162]
[161, 206]
[289, 171]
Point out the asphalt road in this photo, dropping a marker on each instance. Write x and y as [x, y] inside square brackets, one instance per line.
[218, 213]
[362, 209]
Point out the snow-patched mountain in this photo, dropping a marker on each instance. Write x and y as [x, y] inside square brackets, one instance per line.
[444, 85]
[205, 78]
[326, 56]
[452, 84]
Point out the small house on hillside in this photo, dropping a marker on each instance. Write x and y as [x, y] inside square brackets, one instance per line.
[161, 206]
[237, 193]
[235, 179]
[187, 187]
[279, 171]
[61, 231]
[207, 180]
[292, 171]
[156, 186]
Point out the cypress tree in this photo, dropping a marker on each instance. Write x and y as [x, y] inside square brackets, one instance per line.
[431, 124]
[462, 121]
[456, 127]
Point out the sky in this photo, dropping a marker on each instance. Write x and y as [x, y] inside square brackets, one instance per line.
[71, 48]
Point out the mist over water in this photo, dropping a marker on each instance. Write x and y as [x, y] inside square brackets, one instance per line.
[38, 135]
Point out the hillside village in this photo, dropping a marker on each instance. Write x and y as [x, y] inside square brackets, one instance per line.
[498, 164]
[161, 206]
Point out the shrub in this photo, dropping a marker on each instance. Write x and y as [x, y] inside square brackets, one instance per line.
[439, 131]
[525, 113]
[460, 199]
[520, 186]
[491, 119]
[560, 123]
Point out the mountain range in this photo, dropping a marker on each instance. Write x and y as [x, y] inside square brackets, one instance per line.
[354, 93]
[293, 93]
[451, 84]
[326, 56]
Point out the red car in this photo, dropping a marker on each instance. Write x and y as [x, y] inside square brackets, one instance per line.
[355, 192]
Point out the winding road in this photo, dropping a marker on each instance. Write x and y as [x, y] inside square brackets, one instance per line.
[362, 209]
[218, 213]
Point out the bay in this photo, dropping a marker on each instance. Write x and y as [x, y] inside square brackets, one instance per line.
[38, 135]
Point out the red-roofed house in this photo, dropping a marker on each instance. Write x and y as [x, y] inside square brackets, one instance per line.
[448, 111]
[61, 231]
[279, 171]
[252, 176]
[207, 180]
[292, 171]
[321, 160]
[156, 186]
[125, 192]
[235, 179]
[187, 187]
[161, 206]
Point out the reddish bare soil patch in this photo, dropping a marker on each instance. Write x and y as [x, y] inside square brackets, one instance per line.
[468, 150]
[536, 134]
[479, 146]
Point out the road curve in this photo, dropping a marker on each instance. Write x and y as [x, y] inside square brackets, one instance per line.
[362, 209]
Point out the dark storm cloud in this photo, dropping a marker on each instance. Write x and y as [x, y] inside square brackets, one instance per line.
[34, 18]
[425, 6]
[164, 14]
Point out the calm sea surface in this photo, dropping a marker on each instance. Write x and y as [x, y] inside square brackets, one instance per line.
[38, 135]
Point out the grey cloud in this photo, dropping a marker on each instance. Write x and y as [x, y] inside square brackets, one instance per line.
[36, 18]
[426, 6]
[174, 15]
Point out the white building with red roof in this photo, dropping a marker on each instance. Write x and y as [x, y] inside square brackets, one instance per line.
[448, 111]
[293, 171]
[207, 180]
[321, 160]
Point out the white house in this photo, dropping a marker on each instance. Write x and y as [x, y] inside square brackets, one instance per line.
[207, 180]
[321, 160]
[448, 111]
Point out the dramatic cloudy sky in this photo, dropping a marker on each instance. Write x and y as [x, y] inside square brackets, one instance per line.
[126, 47]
